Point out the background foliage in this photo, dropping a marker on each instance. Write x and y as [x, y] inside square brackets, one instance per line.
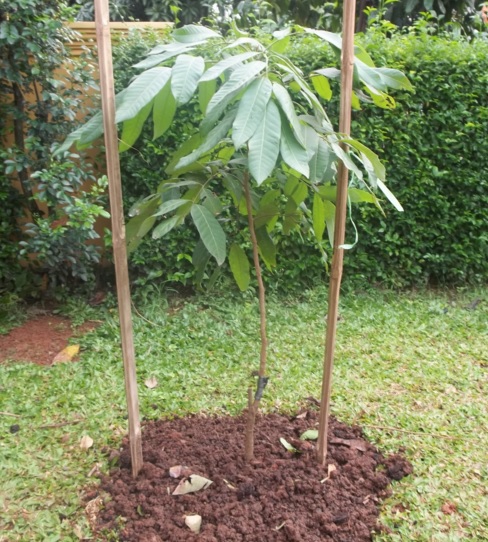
[39, 107]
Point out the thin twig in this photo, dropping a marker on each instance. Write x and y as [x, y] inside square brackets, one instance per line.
[55, 425]
[9, 414]
[390, 428]
[143, 317]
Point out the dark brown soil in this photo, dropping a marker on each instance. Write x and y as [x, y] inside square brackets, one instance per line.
[39, 339]
[280, 497]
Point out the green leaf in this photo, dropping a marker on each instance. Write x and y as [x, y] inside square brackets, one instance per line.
[267, 248]
[239, 265]
[389, 195]
[394, 78]
[280, 45]
[321, 163]
[318, 216]
[171, 50]
[239, 79]
[184, 80]
[218, 69]
[170, 205]
[205, 92]
[251, 110]
[192, 33]
[378, 167]
[90, 131]
[164, 227]
[163, 111]
[212, 202]
[310, 434]
[188, 146]
[136, 229]
[300, 193]
[330, 211]
[288, 446]
[330, 73]
[140, 92]
[266, 213]
[292, 216]
[200, 258]
[286, 104]
[292, 152]
[132, 128]
[322, 86]
[362, 196]
[264, 145]
[214, 137]
[210, 231]
[329, 37]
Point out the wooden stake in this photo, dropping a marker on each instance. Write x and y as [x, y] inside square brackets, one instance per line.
[349, 15]
[102, 20]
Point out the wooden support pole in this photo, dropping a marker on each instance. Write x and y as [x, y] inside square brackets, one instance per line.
[347, 72]
[102, 20]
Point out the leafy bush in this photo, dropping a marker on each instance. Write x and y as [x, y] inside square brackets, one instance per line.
[34, 48]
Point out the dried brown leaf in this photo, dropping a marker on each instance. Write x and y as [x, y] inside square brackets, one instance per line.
[194, 523]
[86, 442]
[193, 483]
[151, 383]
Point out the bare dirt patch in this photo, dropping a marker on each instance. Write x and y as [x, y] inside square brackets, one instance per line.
[39, 339]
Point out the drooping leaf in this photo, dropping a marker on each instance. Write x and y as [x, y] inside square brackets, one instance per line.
[250, 112]
[170, 205]
[266, 214]
[165, 227]
[239, 265]
[330, 211]
[188, 146]
[389, 195]
[286, 104]
[378, 167]
[299, 193]
[322, 86]
[394, 78]
[184, 80]
[141, 91]
[211, 232]
[329, 37]
[292, 152]
[163, 110]
[218, 69]
[318, 216]
[192, 33]
[239, 79]
[200, 259]
[213, 138]
[264, 145]
[321, 163]
[212, 202]
[205, 92]
[267, 248]
[132, 128]
[170, 51]
[292, 216]
[330, 73]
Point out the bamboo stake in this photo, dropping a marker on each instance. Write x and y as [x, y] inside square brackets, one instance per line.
[102, 20]
[347, 62]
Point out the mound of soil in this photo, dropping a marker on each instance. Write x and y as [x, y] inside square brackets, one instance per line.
[281, 496]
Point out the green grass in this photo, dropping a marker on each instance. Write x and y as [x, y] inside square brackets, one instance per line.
[412, 369]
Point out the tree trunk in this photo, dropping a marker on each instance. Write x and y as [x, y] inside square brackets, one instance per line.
[253, 403]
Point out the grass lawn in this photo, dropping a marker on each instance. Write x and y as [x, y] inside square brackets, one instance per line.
[412, 369]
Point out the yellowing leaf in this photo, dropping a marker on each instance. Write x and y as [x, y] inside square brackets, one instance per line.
[67, 354]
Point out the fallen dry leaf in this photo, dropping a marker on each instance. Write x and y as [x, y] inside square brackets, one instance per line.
[193, 483]
[92, 510]
[86, 442]
[356, 444]
[194, 523]
[67, 354]
[151, 382]
[330, 469]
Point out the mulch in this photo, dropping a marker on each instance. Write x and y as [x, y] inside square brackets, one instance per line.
[280, 497]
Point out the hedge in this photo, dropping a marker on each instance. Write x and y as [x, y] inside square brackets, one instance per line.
[432, 145]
